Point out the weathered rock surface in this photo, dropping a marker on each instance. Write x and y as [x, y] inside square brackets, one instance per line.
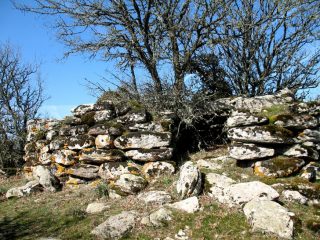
[261, 134]
[116, 227]
[130, 184]
[215, 185]
[103, 129]
[139, 116]
[155, 197]
[160, 218]
[79, 142]
[104, 115]
[295, 151]
[297, 121]
[104, 141]
[204, 164]
[97, 207]
[84, 108]
[156, 169]
[238, 194]
[239, 119]
[85, 171]
[248, 151]
[91, 155]
[190, 180]
[64, 157]
[294, 196]
[150, 155]
[278, 167]
[112, 170]
[189, 205]
[46, 179]
[269, 216]
[309, 135]
[311, 171]
[30, 187]
[144, 140]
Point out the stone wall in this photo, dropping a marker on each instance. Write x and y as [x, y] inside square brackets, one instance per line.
[100, 141]
[275, 135]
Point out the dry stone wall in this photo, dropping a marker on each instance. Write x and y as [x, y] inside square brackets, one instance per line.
[276, 135]
[103, 140]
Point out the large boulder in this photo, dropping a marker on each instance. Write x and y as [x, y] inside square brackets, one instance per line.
[238, 194]
[246, 151]
[130, 184]
[116, 227]
[190, 180]
[278, 167]
[46, 178]
[150, 155]
[261, 134]
[145, 140]
[239, 119]
[91, 155]
[30, 187]
[155, 197]
[269, 216]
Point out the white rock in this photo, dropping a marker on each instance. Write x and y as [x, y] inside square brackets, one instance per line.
[64, 157]
[150, 155]
[248, 151]
[160, 217]
[238, 194]
[116, 227]
[217, 184]
[244, 119]
[189, 205]
[112, 170]
[297, 122]
[294, 196]
[269, 216]
[47, 180]
[130, 184]
[96, 207]
[104, 141]
[309, 135]
[104, 115]
[189, 182]
[30, 187]
[157, 169]
[155, 197]
[295, 151]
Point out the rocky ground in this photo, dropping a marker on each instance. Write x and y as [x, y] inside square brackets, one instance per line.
[225, 209]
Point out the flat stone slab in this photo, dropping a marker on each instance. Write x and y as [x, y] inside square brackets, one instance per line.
[246, 151]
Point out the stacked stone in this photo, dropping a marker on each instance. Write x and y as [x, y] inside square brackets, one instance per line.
[105, 141]
[280, 145]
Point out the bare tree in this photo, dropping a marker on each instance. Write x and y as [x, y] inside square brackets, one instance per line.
[266, 45]
[21, 95]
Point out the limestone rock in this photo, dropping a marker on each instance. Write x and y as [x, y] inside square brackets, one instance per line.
[249, 151]
[138, 116]
[145, 140]
[294, 196]
[269, 216]
[157, 169]
[45, 158]
[92, 155]
[150, 127]
[113, 129]
[238, 119]
[189, 182]
[46, 179]
[85, 171]
[238, 194]
[189, 205]
[84, 108]
[97, 207]
[64, 157]
[130, 184]
[309, 135]
[73, 130]
[104, 141]
[155, 197]
[150, 155]
[112, 170]
[57, 144]
[296, 121]
[278, 167]
[72, 182]
[116, 227]
[311, 171]
[30, 187]
[161, 217]
[261, 134]
[79, 142]
[295, 151]
[215, 185]
[104, 115]
[50, 135]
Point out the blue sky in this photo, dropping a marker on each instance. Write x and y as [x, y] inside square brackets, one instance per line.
[63, 79]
